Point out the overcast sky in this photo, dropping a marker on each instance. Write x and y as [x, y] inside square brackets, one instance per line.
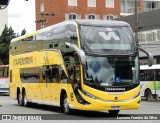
[21, 14]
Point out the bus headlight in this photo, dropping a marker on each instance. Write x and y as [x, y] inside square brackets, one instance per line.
[136, 95]
[89, 95]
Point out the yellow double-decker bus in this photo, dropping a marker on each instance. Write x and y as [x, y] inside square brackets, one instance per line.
[82, 64]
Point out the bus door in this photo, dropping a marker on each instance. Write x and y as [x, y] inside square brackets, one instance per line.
[48, 87]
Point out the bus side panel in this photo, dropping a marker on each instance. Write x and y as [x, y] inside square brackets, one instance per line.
[147, 85]
[157, 85]
[14, 84]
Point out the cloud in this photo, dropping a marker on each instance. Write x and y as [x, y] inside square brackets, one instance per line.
[11, 15]
[21, 14]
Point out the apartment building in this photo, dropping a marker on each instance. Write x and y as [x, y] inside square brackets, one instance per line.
[75, 9]
[127, 7]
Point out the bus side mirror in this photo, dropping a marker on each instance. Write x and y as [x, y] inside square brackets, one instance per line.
[80, 52]
[149, 55]
[76, 58]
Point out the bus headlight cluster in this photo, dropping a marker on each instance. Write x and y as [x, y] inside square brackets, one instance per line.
[89, 95]
[136, 95]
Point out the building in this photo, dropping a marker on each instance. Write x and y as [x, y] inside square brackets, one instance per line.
[74, 9]
[3, 19]
[148, 33]
[127, 7]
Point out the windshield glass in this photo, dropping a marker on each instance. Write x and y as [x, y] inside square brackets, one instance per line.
[111, 71]
[102, 39]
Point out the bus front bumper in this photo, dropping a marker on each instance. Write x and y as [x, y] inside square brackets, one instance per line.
[97, 105]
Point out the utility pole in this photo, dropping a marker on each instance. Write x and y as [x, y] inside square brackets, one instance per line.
[43, 20]
[136, 22]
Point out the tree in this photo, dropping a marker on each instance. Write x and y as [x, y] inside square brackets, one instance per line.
[23, 32]
[7, 35]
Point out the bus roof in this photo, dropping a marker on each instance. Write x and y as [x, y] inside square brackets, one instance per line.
[112, 23]
[2, 66]
[146, 67]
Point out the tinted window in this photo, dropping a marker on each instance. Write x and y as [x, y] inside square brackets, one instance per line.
[147, 75]
[30, 74]
[4, 72]
[157, 75]
[51, 73]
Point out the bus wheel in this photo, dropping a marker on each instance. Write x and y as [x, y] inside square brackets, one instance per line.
[148, 95]
[25, 99]
[66, 107]
[20, 101]
[113, 112]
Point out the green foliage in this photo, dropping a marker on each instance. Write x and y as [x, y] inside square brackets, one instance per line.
[1, 62]
[23, 32]
[7, 35]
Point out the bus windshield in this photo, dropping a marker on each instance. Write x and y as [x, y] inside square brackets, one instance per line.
[111, 71]
[110, 39]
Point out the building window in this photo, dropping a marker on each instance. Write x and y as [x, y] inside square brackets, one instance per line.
[109, 3]
[154, 37]
[42, 7]
[139, 37]
[91, 3]
[72, 16]
[150, 5]
[143, 38]
[42, 25]
[158, 34]
[109, 17]
[72, 2]
[92, 16]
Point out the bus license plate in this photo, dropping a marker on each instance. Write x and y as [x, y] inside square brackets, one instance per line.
[115, 107]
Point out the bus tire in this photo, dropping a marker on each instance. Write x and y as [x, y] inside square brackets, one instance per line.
[65, 105]
[25, 102]
[20, 100]
[148, 95]
[113, 112]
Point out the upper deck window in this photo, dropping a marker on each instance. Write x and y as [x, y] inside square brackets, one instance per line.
[102, 39]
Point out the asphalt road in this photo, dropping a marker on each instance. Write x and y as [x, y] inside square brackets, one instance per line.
[9, 106]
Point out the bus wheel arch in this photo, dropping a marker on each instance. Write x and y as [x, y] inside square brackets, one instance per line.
[148, 94]
[64, 102]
